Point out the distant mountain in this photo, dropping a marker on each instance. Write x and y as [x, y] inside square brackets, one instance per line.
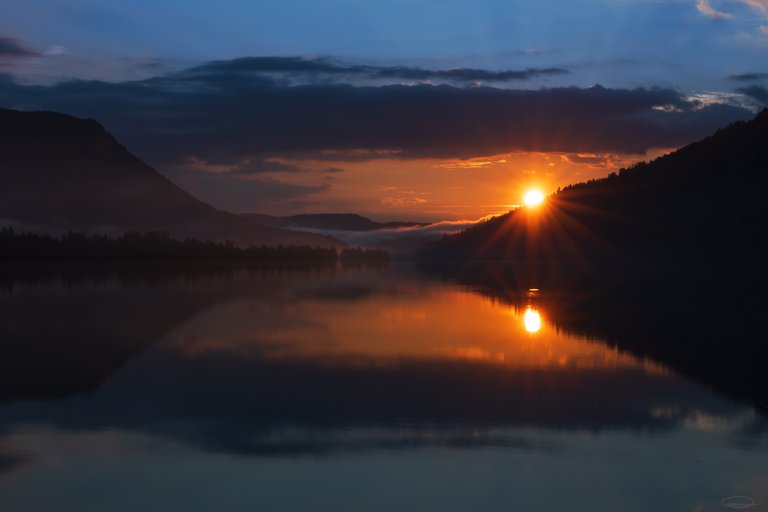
[705, 202]
[60, 173]
[328, 221]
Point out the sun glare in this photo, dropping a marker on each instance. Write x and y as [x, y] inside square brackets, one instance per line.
[533, 197]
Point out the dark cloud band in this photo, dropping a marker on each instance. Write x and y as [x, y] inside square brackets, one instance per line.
[11, 48]
[756, 92]
[221, 114]
[321, 69]
[749, 77]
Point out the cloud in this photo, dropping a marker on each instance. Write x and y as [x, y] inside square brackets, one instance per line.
[321, 70]
[749, 77]
[230, 117]
[705, 8]
[394, 238]
[592, 160]
[755, 92]
[759, 5]
[243, 165]
[470, 75]
[11, 48]
[55, 50]
[401, 201]
[472, 163]
[243, 194]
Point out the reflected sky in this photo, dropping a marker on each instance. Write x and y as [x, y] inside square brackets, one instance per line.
[366, 389]
[350, 322]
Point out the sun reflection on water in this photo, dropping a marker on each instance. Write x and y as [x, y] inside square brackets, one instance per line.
[532, 316]
[532, 320]
[411, 324]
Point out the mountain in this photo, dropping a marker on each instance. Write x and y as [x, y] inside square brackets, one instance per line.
[328, 221]
[705, 202]
[61, 173]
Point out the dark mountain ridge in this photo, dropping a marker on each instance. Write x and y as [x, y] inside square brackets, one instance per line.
[707, 201]
[328, 221]
[61, 173]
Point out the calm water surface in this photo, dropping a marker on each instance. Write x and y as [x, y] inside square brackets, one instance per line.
[346, 390]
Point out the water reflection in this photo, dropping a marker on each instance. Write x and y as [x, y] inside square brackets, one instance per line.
[532, 316]
[403, 322]
[532, 320]
[344, 373]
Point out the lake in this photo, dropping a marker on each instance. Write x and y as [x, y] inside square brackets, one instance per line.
[373, 388]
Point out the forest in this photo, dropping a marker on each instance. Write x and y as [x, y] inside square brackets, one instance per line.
[159, 246]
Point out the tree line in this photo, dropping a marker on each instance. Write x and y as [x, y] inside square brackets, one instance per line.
[159, 246]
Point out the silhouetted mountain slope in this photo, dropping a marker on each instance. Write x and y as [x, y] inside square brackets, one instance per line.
[706, 201]
[329, 221]
[58, 172]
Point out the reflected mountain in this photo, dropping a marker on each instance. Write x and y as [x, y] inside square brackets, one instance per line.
[704, 321]
[65, 331]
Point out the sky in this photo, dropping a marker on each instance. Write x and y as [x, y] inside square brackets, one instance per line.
[398, 109]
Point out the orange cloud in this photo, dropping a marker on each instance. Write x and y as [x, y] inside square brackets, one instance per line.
[760, 5]
[471, 163]
[594, 160]
[705, 8]
[402, 201]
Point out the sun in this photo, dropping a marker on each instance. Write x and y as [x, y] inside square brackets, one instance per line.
[533, 197]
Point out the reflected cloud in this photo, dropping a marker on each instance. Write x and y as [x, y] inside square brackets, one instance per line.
[11, 461]
[702, 420]
[292, 442]
[365, 322]
[706, 421]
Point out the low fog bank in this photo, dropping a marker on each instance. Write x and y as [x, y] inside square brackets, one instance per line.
[400, 242]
